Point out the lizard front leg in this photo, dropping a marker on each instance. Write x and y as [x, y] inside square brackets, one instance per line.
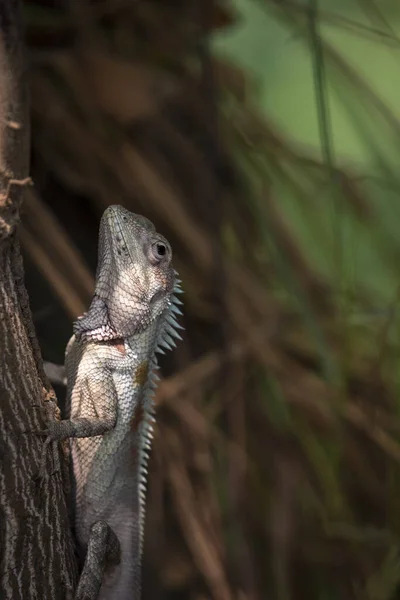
[98, 398]
[57, 431]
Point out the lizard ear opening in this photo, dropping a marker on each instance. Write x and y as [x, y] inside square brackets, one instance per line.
[157, 296]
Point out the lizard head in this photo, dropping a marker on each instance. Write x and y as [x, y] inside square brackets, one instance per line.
[135, 278]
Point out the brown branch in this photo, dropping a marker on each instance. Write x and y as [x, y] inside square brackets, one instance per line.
[33, 518]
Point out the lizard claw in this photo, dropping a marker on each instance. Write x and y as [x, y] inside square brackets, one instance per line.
[56, 458]
[42, 464]
[51, 438]
[45, 432]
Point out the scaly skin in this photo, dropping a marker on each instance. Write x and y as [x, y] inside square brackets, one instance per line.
[111, 362]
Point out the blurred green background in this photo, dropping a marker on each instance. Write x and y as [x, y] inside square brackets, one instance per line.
[361, 78]
[263, 139]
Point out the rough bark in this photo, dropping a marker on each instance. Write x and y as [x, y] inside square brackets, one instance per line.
[36, 551]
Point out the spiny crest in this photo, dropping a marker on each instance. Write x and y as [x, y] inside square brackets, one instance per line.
[169, 333]
[166, 340]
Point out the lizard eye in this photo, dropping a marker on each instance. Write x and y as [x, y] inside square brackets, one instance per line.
[158, 251]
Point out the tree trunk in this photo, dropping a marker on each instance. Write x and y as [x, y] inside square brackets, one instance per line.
[36, 550]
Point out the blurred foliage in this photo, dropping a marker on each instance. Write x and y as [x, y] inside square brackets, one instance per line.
[271, 166]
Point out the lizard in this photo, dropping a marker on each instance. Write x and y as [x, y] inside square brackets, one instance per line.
[111, 368]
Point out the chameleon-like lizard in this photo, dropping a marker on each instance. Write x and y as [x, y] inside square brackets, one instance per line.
[110, 365]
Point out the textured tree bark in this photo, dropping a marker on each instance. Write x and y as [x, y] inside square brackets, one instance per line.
[36, 551]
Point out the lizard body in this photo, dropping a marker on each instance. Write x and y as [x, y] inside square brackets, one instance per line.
[110, 365]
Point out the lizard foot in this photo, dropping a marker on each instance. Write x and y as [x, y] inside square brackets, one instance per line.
[55, 432]
[103, 549]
